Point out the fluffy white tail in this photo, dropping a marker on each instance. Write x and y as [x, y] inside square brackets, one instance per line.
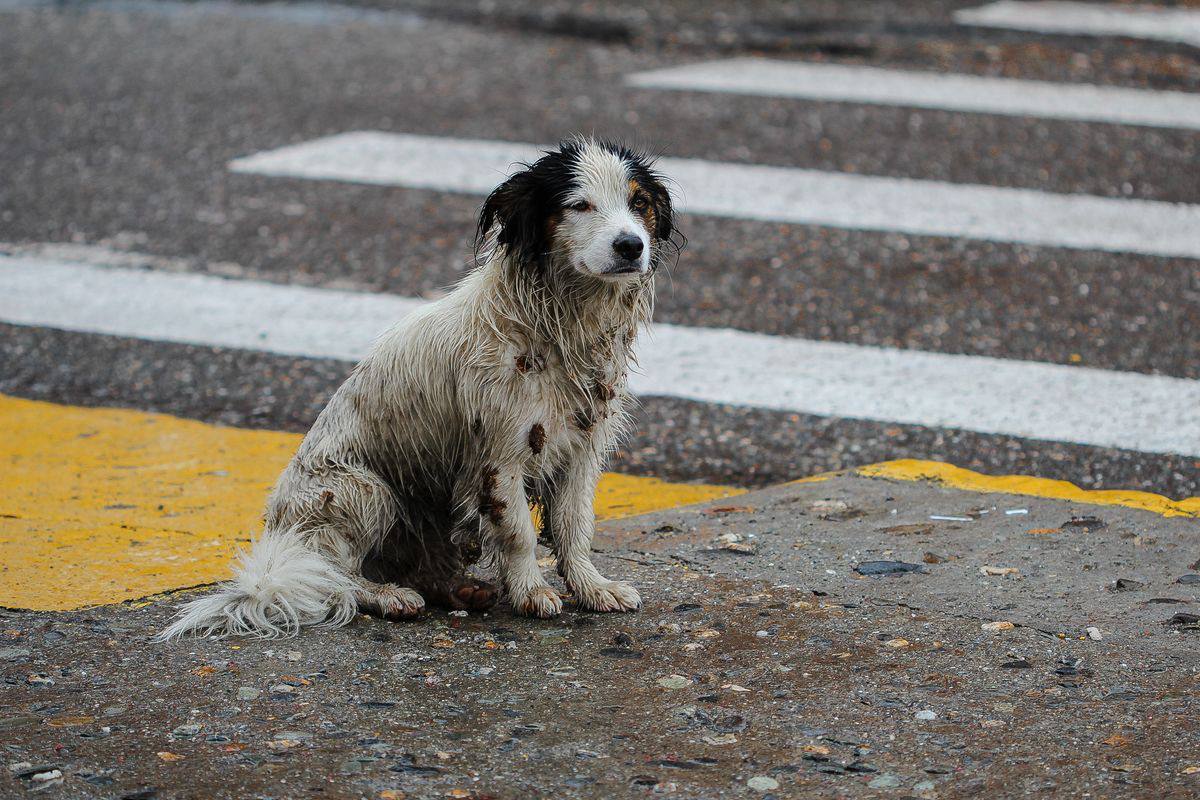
[280, 586]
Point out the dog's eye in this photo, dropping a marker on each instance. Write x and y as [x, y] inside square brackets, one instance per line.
[639, 202]
[580, 205]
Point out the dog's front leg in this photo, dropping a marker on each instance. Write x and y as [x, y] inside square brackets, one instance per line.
[504, 508]
[572, 525]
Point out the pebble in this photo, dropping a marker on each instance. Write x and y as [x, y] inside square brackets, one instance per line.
[994, 627]
[998, 571]
[1094, 633]
[1188, 579]
[675, 682]
[886, 568]
[190, 729]
[763, 783]
[925, 715]
[885, 781]
[13, 653]
[248, 693]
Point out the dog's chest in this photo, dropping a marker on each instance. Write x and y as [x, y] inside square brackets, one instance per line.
[564, 406]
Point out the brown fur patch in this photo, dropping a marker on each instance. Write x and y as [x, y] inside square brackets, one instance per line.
[326, 497]
[604, 391]
[491, 506]
[537, 438]
[530, 362]
[646, 213]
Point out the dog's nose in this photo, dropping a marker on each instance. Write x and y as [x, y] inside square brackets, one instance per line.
[628, 246]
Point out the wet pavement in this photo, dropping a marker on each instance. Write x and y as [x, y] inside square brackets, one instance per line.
[764, 663]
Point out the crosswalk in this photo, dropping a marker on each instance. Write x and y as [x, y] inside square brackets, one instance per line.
[1149, 413]
[893, 87]
[99, 292]
[768, 193]
[1148, 21]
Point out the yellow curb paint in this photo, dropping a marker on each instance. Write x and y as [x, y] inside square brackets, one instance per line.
[959, 478]
[106, 505]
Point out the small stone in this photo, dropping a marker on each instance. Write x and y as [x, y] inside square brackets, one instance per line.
[763, 783]
[925, 715]
[885, 781]
[13, 653]
[46, 778]
[190, 729]
[294, 655]
[1094, 634]
[720, 739]
[991, 571]
[249, 693]
[920, 787]
[996, 627]
[1126, 585]
[886, 568]
[897, 643]
[675, 682]
[1188, 579]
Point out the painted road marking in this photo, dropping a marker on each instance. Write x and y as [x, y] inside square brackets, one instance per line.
[1148, 413]
[105, 505]
[776, 194]
[1089, 19]
[850, 84]
[954, 477]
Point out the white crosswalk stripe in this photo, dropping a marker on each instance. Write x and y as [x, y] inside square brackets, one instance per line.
[853, 84]
[1147, 413]
[776, 194]
[1089, 19]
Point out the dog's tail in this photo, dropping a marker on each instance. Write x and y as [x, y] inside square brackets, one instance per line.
[280, 586]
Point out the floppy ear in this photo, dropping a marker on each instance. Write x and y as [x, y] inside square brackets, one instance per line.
[518, 211]
[665, 230]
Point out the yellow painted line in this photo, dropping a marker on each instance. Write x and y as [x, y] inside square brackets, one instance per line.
[959, 478]
[105, 505]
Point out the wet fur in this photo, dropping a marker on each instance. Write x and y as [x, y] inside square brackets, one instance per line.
[510, 389]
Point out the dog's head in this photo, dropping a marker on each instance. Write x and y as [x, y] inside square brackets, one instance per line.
[594, 207]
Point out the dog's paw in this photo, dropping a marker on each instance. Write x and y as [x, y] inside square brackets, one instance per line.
[540, 601]
[391, 602]
[473, 595]
[610, 596]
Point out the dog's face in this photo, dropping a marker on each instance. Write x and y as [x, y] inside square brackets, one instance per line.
[597, 208]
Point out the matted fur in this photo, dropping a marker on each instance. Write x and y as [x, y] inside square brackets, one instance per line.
[511, 388]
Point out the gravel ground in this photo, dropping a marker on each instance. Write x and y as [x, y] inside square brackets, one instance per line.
[772, 673]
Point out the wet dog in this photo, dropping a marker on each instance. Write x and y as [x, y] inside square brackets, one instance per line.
[507, 393]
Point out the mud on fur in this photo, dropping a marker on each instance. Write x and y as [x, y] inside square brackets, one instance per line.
[424, 460]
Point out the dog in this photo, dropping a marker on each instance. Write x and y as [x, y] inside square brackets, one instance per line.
[506, 394]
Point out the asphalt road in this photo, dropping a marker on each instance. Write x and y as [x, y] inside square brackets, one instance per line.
[119, 120]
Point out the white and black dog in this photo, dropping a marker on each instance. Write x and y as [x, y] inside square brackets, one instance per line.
[508, 392]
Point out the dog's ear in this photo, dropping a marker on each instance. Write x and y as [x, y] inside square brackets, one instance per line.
[665, 228]
[664, 213]
[518, 213]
